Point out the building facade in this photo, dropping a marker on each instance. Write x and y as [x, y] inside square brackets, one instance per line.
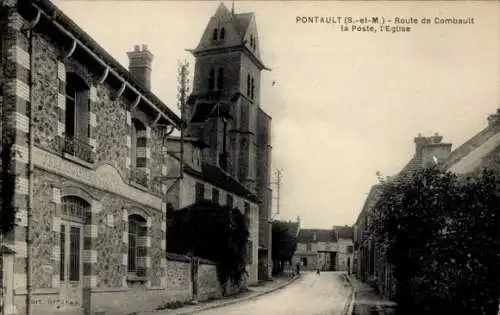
[316, 249]
[345, 248]
[91, 217]
[226, 112]
[371, 260]
[204, 181]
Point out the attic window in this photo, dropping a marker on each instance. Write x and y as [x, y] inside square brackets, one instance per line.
[215, 34]
[222, 33]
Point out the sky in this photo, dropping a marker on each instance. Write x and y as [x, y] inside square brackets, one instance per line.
[345, 104]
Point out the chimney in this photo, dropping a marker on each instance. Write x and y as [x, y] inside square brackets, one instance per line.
[140, 60]
[494, 120]
[431, 149]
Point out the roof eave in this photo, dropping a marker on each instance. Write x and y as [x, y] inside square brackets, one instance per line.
[62, 21]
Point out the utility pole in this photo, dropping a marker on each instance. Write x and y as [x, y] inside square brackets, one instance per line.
[279, 175]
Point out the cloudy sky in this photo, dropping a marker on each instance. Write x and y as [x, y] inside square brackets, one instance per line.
[345, 104]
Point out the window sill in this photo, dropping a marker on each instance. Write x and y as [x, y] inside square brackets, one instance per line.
[136, 279]
[76, 160]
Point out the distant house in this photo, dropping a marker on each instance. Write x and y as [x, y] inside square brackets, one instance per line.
[316, 248]
[345, 247]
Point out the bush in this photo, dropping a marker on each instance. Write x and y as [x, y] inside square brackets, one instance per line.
[443, 237]
[218, 233]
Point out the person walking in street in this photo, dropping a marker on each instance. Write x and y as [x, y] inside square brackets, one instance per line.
[298, 268]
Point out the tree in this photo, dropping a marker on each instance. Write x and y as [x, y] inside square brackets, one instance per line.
[208, 230]
[284, 245]
[442, 235]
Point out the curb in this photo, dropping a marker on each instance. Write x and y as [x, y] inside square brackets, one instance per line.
[248, 298]
[352, 298]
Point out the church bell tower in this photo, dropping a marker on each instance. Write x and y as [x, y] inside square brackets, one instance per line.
[225, 100]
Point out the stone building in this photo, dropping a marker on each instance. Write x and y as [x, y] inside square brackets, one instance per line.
[345, 247]
[204, 181]
[226, 111]
[91, 132]
[316, 249]
[371, 263]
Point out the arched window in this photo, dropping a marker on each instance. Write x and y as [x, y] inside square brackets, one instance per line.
[77, 124]
[75, 212]
[222, 33]
[220, 79]
[137, 250]
[211, 80]
[215, 34]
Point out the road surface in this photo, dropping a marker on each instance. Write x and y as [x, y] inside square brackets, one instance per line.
[312, 294]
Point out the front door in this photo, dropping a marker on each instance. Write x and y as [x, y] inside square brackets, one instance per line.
[71, 273]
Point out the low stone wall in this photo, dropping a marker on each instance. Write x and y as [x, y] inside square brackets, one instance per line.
[179, 284]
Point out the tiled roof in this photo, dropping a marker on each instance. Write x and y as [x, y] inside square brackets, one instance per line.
[220, 179]
[242, 22]
[344, 232]
[322, 235]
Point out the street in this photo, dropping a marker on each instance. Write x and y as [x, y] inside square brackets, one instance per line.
[313, 294]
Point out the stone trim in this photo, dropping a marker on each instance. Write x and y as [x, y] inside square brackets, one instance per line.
[56, 229]
[61, 98]
[125, 215]
[128, 140]
[15, 106]
[92, 118]
[89, 257]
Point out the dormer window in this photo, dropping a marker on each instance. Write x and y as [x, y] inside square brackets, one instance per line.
[215, 34]
[222, 33]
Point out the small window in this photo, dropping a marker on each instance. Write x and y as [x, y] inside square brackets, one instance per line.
[215, 34]
[211, 80]
[200, 191]
[308, 247]
[252, 89]
[222, 33]
[248, 85]
[229, 201]
[215, 195]
[220, 79]
[251, 40]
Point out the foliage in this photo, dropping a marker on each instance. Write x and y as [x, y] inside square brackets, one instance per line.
[284, 245]
[7, 185]
[218, 233]
[441, 232]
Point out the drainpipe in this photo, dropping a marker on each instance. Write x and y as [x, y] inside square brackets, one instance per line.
[29, 31]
